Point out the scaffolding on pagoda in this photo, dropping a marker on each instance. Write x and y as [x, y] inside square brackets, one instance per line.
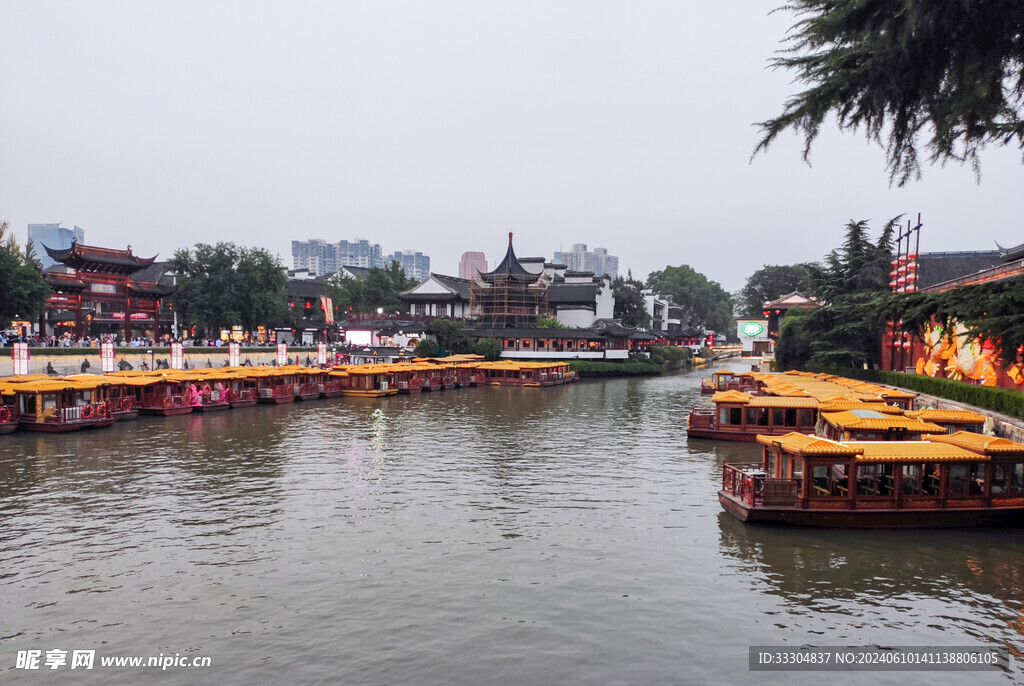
[106, 290]
[509, 296]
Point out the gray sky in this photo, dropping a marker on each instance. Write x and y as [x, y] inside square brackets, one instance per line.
[440, 126]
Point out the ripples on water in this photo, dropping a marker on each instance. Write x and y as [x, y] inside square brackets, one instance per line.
[566, 535]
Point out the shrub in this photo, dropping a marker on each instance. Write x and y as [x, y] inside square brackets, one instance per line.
[427, 348]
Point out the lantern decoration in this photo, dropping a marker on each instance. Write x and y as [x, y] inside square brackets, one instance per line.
[901, 289]
[902, 280]
[894, 263]
[906, 345]
[892, 284]
[911, 288]
[912, 266]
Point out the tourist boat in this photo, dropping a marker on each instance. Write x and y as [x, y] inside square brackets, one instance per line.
[307, 380]
[365, 380]
[120, 397]
[873, 422]
[945, 480]
[241, 388]
[408, 376]
[741, 416]
[781, 403]
[727, 380]
[953, 420]
[211, 386]
[157, 393]
[55, 405]
[8, 411]
[275, 385]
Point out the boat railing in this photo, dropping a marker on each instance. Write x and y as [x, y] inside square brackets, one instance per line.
[750, 483]
[701, 419]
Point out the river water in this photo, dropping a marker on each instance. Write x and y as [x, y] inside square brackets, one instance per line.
[567, 535]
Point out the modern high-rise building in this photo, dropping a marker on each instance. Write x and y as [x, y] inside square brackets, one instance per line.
[582, 260]
[55, 237]
[470, 263]
[415, 264]
[323, 258]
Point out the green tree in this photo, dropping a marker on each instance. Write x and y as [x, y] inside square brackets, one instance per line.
[490, 348]
[704, 303]
[630, 305]
[382, 286]
[221, 285]
[427, 348]
[950, 71]
[857, 266]
[450, 335]
[347, 293]
[23, 292]
[769, 283]
[550, 323]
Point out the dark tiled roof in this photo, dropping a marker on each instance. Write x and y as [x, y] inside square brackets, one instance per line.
[64, 282]
[79, 254]
[460, 286]
[572, 293]
[586, 334]
[358, 272]
[509, 268]
[306, 288]
[939, 267]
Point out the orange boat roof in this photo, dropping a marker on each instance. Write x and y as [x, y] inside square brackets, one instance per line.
[869, 419]
[979, 443]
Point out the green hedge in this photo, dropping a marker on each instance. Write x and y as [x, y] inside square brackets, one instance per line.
[594, 368]
[1001, 400]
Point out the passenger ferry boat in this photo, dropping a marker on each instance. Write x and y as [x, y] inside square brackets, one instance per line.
[868, 423]
[275, 385]
[365, 380]
[55, 405]
[157, 393]
[945, 480]
[211, 387]
[781, 403]
[241, 387]
[953, 420]
[727, 380]
[120, 397]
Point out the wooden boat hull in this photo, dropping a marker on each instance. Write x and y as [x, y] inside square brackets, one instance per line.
[308, 396]
[130, 414]
[716, 435]
[213, 407]
[332, 394]
[944, 518]
[243, 403]
[8, 427]
[356, 393]
[50, 427]
[277, 400]
[165, 411]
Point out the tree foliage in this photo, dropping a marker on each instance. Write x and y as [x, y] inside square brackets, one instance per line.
[550, 323]
[857, 266]
[950, 71]
[490, 348]
[23, 292]
[704, 303]
[427, 348]
[630, 305]
[224, 284]
[450, 335]
[379, 290]
[772, 282]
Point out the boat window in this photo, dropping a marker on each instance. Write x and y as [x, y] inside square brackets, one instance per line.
[49, 402]
[785, 466]
[1016, 485]
[976, 483]
[1000, 478]
[798, 467]
[829, 480]
[791, 417]
[958, 479]
[779, 417]
[806, 418]
[770, 465]
[751, 416]
[913, 478]
[736, 415]
[874, 479]
[723, 416]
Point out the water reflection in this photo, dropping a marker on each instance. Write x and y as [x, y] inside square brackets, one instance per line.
[971, 578]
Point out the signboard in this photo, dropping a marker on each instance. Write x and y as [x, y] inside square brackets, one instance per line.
[282, 354]
[328, 307]
[117, 315]
[103, 288]
[177, 356]
[107, 357]
[321, 354]
[20, 357]
[233, 354]
[752, 328]
[140, 315]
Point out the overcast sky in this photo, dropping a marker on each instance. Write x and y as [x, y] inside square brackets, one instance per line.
[440, 127]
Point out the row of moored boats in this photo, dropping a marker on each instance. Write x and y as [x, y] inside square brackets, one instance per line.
[83, 401]
[838, 452]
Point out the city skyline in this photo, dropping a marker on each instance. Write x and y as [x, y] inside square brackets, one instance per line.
[629, 127]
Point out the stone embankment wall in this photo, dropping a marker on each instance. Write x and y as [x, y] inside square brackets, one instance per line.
[196, 358]
[1002, 425]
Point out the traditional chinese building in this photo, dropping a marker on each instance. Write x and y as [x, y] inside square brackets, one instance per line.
[510, 296]
[105, 291]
